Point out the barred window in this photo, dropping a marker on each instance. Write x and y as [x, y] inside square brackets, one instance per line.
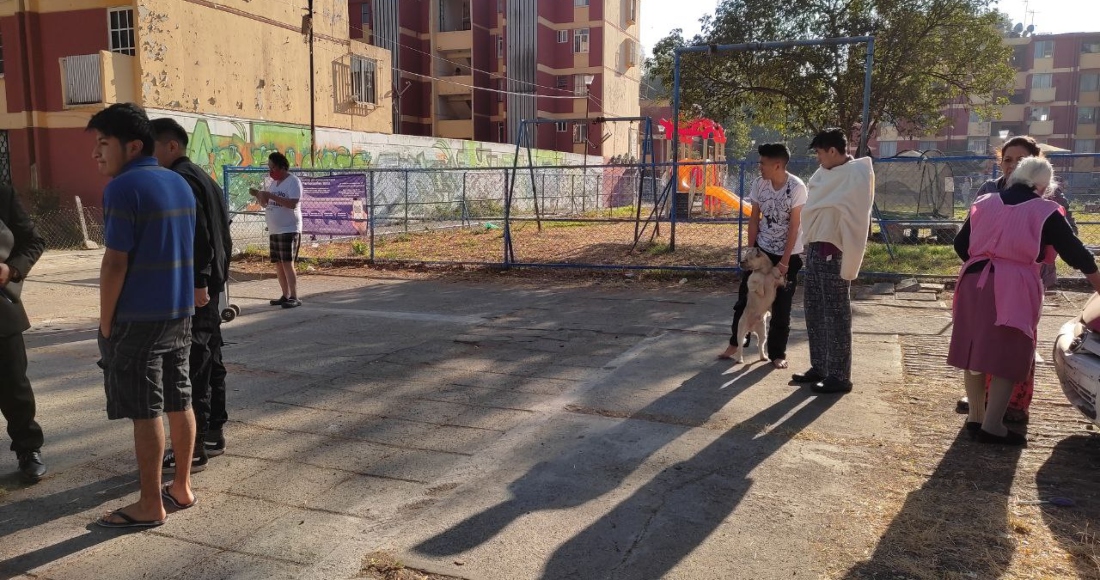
[121, 21]
[363, 84]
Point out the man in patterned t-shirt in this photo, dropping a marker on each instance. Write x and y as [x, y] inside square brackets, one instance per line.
[777, 198]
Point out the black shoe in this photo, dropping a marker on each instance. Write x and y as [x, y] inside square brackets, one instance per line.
[292, 303]
[31, 466]
[214, 444]
[810, 376]
[1011, 438]
[963, 406]
[831, 386]
[198, 462]
[972, 428]
[279, 302]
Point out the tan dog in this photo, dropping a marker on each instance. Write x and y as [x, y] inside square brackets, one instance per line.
[764, 280]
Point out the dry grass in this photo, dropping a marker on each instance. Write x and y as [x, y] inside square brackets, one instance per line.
[383, 566]
[945, 507]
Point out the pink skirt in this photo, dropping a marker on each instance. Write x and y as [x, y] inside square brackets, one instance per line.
[977, 343]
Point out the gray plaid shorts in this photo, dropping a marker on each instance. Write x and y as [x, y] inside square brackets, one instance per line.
[284, 247]
[145, 368]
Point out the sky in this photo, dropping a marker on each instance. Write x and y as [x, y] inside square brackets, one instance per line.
[659, 17]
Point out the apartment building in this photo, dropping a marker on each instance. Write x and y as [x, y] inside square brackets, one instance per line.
[243, 64]
[1056, 99]
[474, 69]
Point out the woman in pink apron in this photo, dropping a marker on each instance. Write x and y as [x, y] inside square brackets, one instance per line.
[1012, 152]
[999, 293]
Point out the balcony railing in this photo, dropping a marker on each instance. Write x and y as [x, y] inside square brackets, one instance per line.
[82, 78]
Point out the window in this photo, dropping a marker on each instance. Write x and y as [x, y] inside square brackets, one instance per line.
[561, 126]
[1086, 114]
[562, 82]
[631, 11]
[887, 148]
[580, 133]
[1090, 47]
[1040, 113]
[500, 90]
[1090, 82]
[580, 40]
[500, 46]
[928, 145]
[121, 21]
[1017, 98]
[1044, 49]
[563, 36]
[1019, 56]
[501, 132]
[1, 56]
[978, 145]
[579, 88]
[580, 2]
[366, 16]
[500, 6]
[1084, 146]
[975, 117]
[1042, 81]
[363, 80]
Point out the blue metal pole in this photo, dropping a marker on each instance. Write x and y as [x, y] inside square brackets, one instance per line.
[370, 216]
[740, 214]
[675, 146]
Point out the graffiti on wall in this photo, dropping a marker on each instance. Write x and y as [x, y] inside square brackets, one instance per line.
[217, 142]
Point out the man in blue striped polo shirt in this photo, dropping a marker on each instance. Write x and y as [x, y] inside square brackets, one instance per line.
[146, 297]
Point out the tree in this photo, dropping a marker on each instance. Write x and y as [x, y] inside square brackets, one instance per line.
[928, 54]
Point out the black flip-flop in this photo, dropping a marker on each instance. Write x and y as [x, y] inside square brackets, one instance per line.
[127, 521]
[167, 495]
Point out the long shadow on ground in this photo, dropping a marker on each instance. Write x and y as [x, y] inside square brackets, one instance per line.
[1070, 472]
[963, 504]
[665, 519]
[31, 513]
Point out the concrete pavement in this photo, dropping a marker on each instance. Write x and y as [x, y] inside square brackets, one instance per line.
[476, 430]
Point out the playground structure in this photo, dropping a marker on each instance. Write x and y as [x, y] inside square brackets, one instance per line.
[700, 179]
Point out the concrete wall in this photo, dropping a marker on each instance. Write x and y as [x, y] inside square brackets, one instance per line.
[250, 59]
[621, 79]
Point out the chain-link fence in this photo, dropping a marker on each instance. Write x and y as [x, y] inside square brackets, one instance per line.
[611, 216]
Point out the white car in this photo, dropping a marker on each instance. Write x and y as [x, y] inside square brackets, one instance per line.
[1077, 358]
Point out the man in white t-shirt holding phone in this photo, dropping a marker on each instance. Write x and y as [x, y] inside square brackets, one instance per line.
[280, 201]
[775, 227]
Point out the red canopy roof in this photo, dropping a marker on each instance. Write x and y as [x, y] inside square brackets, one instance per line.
[702, 128]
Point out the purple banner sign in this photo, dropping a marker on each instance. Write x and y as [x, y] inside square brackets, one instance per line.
[335, 205]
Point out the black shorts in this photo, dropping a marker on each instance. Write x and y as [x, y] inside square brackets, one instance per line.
[284, 247]
[145, 366]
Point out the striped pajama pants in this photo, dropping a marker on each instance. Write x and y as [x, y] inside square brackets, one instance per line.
[828, 315]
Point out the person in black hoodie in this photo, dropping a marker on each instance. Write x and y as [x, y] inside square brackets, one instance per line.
[213, 248]
[20, 247]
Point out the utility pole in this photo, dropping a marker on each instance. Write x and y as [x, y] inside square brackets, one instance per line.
[312, 96]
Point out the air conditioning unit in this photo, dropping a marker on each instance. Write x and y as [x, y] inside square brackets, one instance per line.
[631, 53]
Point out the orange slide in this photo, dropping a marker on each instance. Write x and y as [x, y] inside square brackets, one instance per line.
[713, 192]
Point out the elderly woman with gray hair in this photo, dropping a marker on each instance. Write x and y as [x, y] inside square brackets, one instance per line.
[999, 294]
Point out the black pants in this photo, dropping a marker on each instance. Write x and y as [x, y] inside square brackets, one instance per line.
[207, 372]
[779, 329]
[16, 397]
[828, 315]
